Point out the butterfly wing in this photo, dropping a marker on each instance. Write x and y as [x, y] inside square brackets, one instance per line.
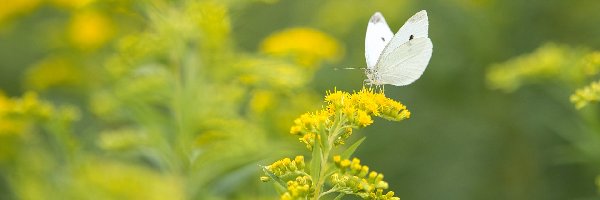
[404, 64]
[406, 56]
[377, 37]
[416, 26]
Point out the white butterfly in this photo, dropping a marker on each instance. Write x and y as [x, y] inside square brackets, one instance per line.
[397, 59]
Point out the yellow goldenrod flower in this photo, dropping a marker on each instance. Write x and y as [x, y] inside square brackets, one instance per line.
[586, 95]
[299, 183]
[348, 111]
[300, 188]
[324, 129]
[90, 30]
[354, 178]
[308, 47]
[287, 167]
[363, 119]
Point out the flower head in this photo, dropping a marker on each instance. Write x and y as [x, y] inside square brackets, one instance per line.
[348, 111]
[90, 30]
[586, 95]
[298, 183]
[306, 46]
[354, 178]
[17, 114]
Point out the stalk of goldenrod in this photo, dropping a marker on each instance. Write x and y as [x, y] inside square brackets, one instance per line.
[325, 156]
[321, 132]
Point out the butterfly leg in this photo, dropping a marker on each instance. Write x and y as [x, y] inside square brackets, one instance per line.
[366, 82]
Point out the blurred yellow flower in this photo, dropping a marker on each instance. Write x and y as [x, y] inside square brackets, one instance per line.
[213, 19]
[591, 63]
[271, 73]
[308, 47]
[12, 8]
[107, 179]
[548, 62]
[71, 3]
[5, 103]
[7, 124]
[586, 95]
[18, 113]
[31, 105]
[543, 62]
[89, 30]
[262, 100]
[52, 72]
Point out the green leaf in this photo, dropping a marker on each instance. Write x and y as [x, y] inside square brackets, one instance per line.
[350, 150]
[273, 176]
[279, 188]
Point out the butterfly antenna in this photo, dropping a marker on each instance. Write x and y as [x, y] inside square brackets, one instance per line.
[335, 68]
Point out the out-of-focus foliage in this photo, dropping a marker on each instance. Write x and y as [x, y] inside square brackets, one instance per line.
[549, 62]
[171, 109]
[566, 68]
[183, 99]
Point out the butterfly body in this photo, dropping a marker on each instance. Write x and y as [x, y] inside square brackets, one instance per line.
[397, 59]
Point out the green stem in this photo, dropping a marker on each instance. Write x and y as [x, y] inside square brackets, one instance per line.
[327, 146]
[334, 189]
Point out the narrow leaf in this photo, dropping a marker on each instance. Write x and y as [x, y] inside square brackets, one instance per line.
[339, 196]
[350, 150]
[273, 176]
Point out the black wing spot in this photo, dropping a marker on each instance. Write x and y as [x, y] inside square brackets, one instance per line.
[382, 39]
[411, 37]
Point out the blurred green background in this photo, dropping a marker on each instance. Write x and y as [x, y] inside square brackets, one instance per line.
[182, 99]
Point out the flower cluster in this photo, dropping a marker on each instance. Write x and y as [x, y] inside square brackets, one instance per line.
[16, 114]
[300, 188]
[354, 178]
[591, 63]
[583, 96]
[90, 30]
[344, 112]
[287, 167]
[548, 62]
[298, 183]
[323, 130]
